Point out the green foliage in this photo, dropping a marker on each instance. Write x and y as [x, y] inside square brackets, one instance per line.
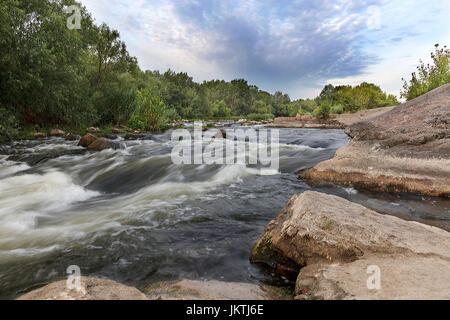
[337, 109]
[429, 77]
[220, 109]
[322, 111]
[351, 99]
[150, 113]
[9, 126]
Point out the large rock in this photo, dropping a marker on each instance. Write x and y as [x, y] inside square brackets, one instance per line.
[86, 140]
[210, 290]
[102, 144]
[406, 149]
[349, 119]
[332, 241]
[91, 289]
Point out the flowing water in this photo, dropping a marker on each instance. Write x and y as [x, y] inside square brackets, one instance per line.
[133, 216]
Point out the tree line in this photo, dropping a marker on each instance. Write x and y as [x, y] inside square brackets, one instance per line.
[51, 75]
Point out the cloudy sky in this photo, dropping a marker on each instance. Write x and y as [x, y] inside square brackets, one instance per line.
[295, 46]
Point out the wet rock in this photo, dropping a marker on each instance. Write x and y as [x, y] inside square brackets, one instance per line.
[86, 140]
[102, 144]
[111, 136]
[57, 133]
[140, 136]
[33, 159]
[72, 137]
[91, 289]
[332, 241]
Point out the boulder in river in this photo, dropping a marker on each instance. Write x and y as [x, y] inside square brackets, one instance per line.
[102, 144]
[86, 140]
[91, 289]
[333, 243]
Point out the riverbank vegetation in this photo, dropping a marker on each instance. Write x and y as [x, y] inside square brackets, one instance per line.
[53, 76]
[429, 76]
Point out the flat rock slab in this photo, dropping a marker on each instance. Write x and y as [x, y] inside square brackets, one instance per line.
[91, 289]
[331, 241]
[207, 290]
[406, 150]
[363, 115]
[363, 166]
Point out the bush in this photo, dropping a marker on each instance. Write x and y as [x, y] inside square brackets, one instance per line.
[150, 113]
[339, 109]
[322, 112]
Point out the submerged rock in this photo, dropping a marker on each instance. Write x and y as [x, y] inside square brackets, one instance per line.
[72, 137]
[406, 149]
[91, 289]
[111, 136]
[33, 159]
[332, 241]
[138, 136]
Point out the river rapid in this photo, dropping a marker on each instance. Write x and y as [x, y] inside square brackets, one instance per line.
[133, 216]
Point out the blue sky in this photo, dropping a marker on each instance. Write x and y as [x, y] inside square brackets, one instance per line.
[295, 46]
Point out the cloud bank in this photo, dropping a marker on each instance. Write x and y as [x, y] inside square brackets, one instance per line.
[295, 46]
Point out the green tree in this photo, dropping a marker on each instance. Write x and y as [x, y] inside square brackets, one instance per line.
[430, 76]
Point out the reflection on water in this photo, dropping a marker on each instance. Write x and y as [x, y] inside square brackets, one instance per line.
[132, 216]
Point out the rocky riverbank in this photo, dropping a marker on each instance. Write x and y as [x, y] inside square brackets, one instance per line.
[332, 245]
[336, 121]
[406, 149]
[103, 289]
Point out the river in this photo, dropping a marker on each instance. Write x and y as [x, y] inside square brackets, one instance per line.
[133, 216]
